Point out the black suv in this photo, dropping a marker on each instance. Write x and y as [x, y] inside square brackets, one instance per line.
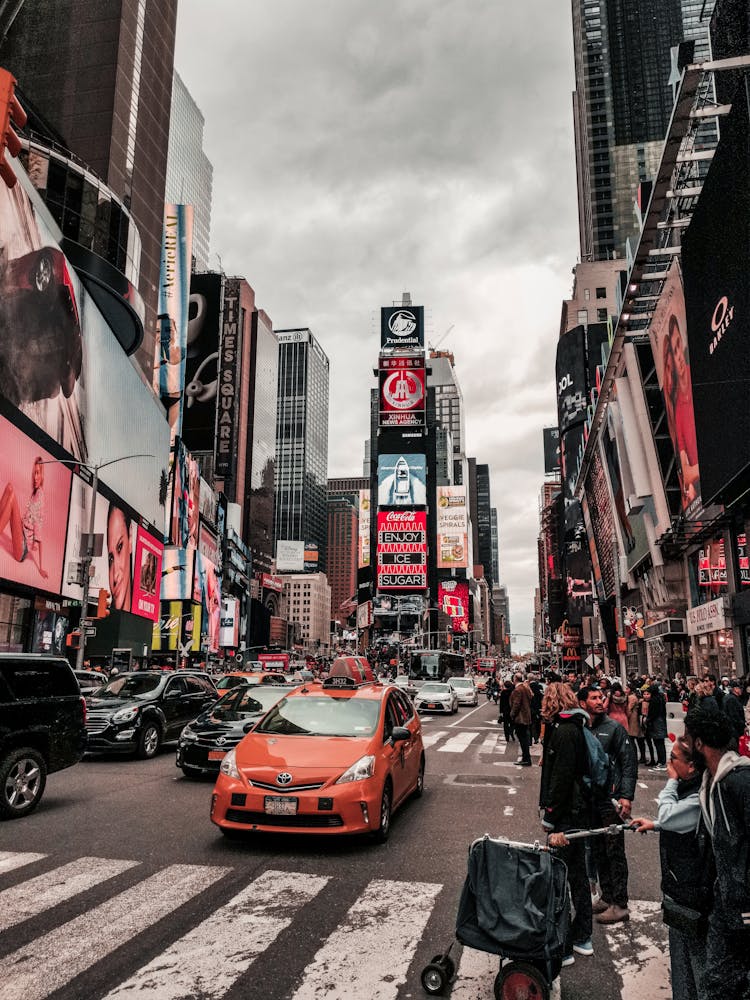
[42, 727]
[139, 711]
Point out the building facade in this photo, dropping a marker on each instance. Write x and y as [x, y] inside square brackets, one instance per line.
[307, 606]
[343, 542]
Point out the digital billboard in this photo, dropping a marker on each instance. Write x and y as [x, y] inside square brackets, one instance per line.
[402, 391]
[230, 364]
[668, 335]
[570, 371]
[551, 450]
[207, 593]
[717, 299]
[402, 480]
[453, 600]
[402, 550]
[177, 574]
[146, 575]
[63, 367]
[202, 363]
[402, 328]
[34, 499]
[185, 498]
[290, 556]
[229, 629]
[452, 527]
[363, 543]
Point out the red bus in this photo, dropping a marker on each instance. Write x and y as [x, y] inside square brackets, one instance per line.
[274, 661]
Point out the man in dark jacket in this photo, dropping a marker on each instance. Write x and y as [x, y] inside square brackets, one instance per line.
[725, 811]
[732, 707]
[520, 715]
[609, 851]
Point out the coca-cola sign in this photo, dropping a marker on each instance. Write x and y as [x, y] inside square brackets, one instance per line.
[402, 550]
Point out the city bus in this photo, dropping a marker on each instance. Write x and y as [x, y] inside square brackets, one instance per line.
[435, 665]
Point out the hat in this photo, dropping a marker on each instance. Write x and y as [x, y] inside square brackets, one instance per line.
[736, 683]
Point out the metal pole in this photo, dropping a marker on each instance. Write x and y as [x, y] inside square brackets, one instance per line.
[87, 560]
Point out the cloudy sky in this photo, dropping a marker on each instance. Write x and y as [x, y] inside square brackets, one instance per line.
[362, 148]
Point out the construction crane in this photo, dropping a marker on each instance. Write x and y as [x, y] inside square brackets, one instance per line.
[434, 347]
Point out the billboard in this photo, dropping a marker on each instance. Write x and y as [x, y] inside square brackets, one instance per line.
[177, 629]
[172, 319]
[452, 527]
[402, 391]
[177, 574]
[668, 335]
[207, 593]
[551, 450]
[290, 556]
[186, 490]
[363, 538]
[229, 629]
[34, 500]
[50, 627]
[146, 575]
[402, 550]
[230, 363]
[453, 600]
[602, 522]
[202, 363]
[63, 367]
[570, 372]
[717, 300]
[402, 481]
[402, 328]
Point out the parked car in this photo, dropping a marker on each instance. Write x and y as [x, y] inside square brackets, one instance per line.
[335, 757]
[465, 689]
[42, 727]
[138, 712]
[402, 681]
[434, 696]
[90, 681]
[204, 743]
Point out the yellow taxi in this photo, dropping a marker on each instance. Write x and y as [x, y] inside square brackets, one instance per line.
[332, 757]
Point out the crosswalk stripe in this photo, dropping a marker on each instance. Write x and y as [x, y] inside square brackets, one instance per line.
[369, 953]
[208, 960]
[458, 743]
[36, 895]
[50, 962]
[12, 859]
[432, 738]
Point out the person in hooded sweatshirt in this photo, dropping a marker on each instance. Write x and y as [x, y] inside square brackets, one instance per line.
[725, 812]
[565, 804]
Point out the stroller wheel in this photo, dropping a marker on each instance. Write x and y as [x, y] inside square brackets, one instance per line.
[521, 981]
[434, 978]
[447, 963]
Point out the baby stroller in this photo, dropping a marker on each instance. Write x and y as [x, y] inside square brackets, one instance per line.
[515, 903]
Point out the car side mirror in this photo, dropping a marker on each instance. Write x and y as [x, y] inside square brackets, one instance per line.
[248, 726]
[171, 694]
[399, 734]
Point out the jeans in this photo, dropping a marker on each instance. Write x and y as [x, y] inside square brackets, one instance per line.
[574, 856]
[507, 727]
[661, 752]
[687, 958]
[524, 739]
[611, 862]
[644, 743]
[726, 975]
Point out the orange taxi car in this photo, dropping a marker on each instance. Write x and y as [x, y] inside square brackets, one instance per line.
[237, 678]
[337, 756]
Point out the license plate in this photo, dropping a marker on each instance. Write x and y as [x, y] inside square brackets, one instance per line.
[276, 806]
[432, 706]
[217, 754]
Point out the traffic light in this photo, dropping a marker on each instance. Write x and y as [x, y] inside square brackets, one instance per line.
[11, 113]
[73, 639]
[102, 605]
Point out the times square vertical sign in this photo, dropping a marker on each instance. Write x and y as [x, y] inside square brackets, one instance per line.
[402, 550]
[229, 378]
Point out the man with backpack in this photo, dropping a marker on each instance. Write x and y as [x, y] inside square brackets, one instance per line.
[612, 805]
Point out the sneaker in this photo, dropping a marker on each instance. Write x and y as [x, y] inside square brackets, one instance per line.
[523, 763]
[658, 767]
[568, 960]
[614, 914]
[584, 948]
[599, 906]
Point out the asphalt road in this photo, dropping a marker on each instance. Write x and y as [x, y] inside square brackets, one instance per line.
[119, 886]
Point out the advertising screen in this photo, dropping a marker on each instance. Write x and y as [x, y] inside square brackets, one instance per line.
[551, 449]
[185, 498]
[229, 629]
[311, 555]
[402, 391]
[570, 371]
[452, 527]
[363, 537]
[717, 299]
[50, 628]
[207, 593]
[177, 574]
[668, 335]
[202, 363]
[147, 575]
[34, 499]
[230, 356]
[402, 481]
[602, 521]
[402, 550]
[290, 556]
[453, 600]
[63, 367]
[402, 328]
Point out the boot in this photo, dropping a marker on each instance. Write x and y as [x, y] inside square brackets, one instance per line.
[614, 914]
[600, 906]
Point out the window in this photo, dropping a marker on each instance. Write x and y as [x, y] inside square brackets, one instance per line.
[587, 294]
[39, 678]
[583, 316]
[601, 315]
[601, 293]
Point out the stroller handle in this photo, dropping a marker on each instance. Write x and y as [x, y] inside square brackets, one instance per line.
[603, 831]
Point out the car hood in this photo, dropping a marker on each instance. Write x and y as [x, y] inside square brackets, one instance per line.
[112, 704]
[306, 758]
[211, 723]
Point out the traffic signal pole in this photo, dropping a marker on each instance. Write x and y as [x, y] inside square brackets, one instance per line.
[87, 561]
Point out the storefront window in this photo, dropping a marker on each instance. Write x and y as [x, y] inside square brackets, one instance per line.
[14, 620]
[708, 572]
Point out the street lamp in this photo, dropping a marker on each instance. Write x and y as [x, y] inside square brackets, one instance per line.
[89, 554]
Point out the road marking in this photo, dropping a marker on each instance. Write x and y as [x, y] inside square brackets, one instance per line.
[491, 744]
[432, 738]
[369, 953]
[50, 962]
[11, 859]
[639, 949]
[458, 743]
[211, 957]
[463, 718]
[38, 894]
[508, 811]
[642, 784]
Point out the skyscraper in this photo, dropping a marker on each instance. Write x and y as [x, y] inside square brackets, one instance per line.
[495, 534]
[302, 441]
[484, 522]
[101, 75]
[189, 172]
[449, 404]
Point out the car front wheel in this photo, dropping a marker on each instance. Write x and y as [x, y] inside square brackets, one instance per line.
[150, 741]
[23, 775]
[419, 787]
[386, 809]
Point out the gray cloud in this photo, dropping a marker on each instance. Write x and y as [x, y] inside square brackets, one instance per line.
[365, 149]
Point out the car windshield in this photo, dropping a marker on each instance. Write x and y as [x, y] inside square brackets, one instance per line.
[462, 682]
[131, 686]
[231, 681]
[249, 699]
[322, 716]
[435, 689]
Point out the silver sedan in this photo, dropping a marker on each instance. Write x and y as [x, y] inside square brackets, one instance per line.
[465, 690]
[436, 697]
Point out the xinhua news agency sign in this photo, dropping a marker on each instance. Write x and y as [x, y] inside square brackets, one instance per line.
[229, 362]
[402, 550]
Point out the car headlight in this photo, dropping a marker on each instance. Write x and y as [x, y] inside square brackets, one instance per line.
[188, 736]
[125, 715]
[229, 765]
[361, 769]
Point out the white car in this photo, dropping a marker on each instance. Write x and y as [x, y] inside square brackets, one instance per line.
[435, 696]
[465, 689]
